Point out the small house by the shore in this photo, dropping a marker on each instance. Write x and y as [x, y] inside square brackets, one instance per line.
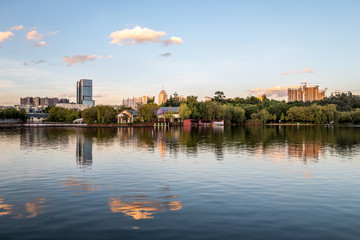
[36, 117]
[127, 116]
[170, 113]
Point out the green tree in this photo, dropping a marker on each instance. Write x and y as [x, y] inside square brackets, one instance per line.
[219, 96]
[89, 115]
[147, 111]
[184, 111]
[264, 116]
[169, 114]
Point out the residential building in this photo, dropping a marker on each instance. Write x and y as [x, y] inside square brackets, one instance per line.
[84, 92]
[64, 100]
[306, 93]
[48, 101]
[162, 97]
[133, 102]
[27, 101]
[38, 101]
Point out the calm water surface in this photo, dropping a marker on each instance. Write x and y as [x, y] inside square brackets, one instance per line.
[220, 183]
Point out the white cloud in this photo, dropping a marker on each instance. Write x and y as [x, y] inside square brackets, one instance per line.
[136, 35]
[5, 35]
[18, 27]
[40, 44]
[109, 56]
[139, 35]
[79, 58]
[278, 91]
[308, 70]
[173, 40]
[34, 35]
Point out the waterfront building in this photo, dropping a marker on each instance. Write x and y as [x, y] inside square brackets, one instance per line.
[162, 97]
[36, 117]
[163, 111]
[127, 116]
[84, 92]
[305, 93]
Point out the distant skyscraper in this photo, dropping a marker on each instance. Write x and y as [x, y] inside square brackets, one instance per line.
[84, 92]
[162, 97]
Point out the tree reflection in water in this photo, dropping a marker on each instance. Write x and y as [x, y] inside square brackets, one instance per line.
[293, 142]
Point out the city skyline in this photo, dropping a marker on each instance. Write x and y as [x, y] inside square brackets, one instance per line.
[192, 48]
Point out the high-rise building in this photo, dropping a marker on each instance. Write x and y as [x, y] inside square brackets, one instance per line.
[84, 92]
[38, 101]
[133, 102]
[27, 101]
[162, 97]
[64, 100]
[305, 93]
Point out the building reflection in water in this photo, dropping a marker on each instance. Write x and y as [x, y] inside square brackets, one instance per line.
[305, 151]
[141, 207]
[31, 209]
[161, 147]
[84, 157]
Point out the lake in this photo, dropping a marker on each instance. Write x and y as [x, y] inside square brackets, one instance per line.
[273, 182]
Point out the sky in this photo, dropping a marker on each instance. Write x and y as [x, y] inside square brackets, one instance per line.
[136, 48]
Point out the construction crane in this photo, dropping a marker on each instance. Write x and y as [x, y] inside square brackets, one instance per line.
[310, 83]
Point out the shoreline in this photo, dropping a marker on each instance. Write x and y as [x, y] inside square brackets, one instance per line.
[86, 125]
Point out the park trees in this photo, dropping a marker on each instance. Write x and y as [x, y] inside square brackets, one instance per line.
[184, 111]
[147, 111]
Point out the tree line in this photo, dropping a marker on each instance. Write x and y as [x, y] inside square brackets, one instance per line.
[12, 113]
[340, 108]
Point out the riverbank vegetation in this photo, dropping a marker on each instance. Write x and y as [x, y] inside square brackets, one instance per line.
[12, 113]
[340, 108]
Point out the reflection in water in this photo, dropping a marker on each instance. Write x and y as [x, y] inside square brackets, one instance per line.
[31, 209]
[305, 151]
[35, 207]
[40, 137]
[285, 143]
[5, 209]
[140, 207]
[79, 186]
[83, 150]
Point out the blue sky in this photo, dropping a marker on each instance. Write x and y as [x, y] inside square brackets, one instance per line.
[239, 47]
